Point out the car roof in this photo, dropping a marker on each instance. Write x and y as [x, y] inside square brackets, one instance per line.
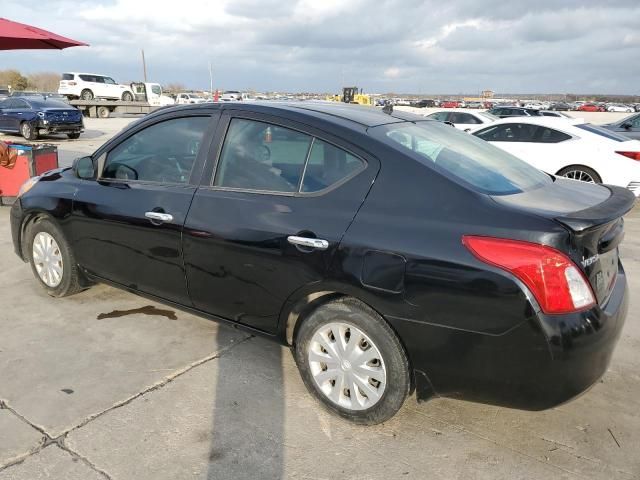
[89, 73]
[553, 122]
[332, 112]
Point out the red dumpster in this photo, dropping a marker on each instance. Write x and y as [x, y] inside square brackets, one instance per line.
[32, 160]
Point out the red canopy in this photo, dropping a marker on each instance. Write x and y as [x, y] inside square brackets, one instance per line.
[18, 36]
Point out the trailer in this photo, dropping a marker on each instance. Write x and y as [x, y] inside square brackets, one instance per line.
[147, 98]
[104, 108]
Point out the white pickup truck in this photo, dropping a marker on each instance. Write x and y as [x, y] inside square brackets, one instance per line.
[186, 97]
[152, 94]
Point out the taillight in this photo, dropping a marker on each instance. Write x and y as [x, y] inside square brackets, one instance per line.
[554, 280]
[631, 155]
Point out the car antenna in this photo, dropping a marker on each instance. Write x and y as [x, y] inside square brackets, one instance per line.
[388, 108]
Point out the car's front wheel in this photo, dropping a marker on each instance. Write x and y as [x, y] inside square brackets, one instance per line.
[352, 361]
[51, 259]
[28, 131]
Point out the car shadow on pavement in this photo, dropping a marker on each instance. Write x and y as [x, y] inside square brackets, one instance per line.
[247, 439]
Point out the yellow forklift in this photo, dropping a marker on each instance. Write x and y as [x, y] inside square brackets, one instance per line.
[352, 95]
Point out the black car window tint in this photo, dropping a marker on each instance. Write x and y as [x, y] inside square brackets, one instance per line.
[498, 133]
[164, 152]
[327, 166]
[523, 132]
[262, 156]
[478, 164]
[550, 135]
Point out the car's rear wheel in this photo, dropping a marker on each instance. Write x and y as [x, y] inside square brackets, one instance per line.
[352, 361]
[86, 94]
[73, 136]
[127, 97]
[581, 173]
[28, 131]
[51, 259]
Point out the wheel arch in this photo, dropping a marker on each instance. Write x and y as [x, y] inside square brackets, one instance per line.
[579, 165]
[301, 303]
[29, 219]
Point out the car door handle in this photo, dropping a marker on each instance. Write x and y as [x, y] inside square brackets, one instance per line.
[159, 217]
[316, 243]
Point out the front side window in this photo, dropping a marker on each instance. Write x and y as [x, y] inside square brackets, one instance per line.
[635, 121]
[108, 80]
[464, 157]
[263, 157]
[164, 152]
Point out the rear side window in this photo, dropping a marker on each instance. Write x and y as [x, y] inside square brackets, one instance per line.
[259, 156]
[550, 135]
[88, 78]
[328, 165]
[67, 76]
[464, 118]
[509, 132]
[603, 132]
[463, 157]
[440, 116]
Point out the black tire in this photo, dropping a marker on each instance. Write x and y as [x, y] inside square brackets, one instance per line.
[69, 283]
[127, 97]
[356, 313]
[74, 136]
[86, 94]
[28, 131]
[575, 171]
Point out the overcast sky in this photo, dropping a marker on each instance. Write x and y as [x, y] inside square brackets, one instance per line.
[421, 46]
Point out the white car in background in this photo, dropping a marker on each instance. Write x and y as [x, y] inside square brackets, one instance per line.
[619, 108]
[188, 97]
[569, 148]
[463, 120]
[87, 86]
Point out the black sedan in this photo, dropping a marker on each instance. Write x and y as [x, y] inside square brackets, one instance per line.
[392, 253]
[34, 115]
[628, 126]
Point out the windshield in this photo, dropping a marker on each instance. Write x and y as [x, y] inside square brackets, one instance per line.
[467, 159]
[603, 132]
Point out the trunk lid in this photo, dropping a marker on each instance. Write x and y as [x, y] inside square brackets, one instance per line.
[593, 216]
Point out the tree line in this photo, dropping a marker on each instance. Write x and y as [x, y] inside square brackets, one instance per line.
[40, 81]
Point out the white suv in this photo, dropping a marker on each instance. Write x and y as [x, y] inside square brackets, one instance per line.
[88, 86]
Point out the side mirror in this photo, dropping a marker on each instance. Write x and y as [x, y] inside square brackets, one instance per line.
[626, 126]
[83, 167]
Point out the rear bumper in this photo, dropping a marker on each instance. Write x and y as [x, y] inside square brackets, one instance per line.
[545, 361]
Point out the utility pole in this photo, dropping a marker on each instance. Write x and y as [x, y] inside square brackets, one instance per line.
[144, 66]
[210, 79]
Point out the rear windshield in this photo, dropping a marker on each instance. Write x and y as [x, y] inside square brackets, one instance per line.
[463, 157]
[67, 76]
[603, 132]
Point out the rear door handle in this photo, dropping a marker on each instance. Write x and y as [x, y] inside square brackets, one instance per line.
[316, 243]
[159, 217]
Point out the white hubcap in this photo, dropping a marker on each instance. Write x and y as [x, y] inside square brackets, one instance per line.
[346, 366]
[47, 259]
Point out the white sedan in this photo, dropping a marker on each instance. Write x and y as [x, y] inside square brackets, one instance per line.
[463, 120]
[569, 148]
[619, 108]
